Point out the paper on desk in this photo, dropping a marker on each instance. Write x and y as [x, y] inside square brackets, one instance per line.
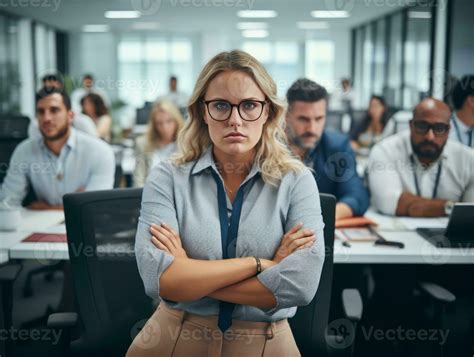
[414, 223]
[35, 221]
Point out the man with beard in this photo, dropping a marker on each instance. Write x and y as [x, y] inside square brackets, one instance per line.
[329, 153]
[61, 161]
[421, 173]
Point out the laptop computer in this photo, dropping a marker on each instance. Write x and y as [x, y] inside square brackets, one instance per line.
[460, 230]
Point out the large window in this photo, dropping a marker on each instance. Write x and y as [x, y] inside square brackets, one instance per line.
[393, 57]
[319, 65]
[147, 62]
[45, 52]
[281, 59]
[9, 70]
[417, 56]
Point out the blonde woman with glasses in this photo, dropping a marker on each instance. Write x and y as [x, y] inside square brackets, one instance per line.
[159, 141]
[230, 234]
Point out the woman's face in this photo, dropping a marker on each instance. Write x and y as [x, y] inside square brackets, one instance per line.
[88, 108]
[376, 109]
[235, 136]
[164, 124]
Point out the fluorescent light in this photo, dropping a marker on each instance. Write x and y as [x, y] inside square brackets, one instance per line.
[419, 15]
[95, 28]
[145, 25]
[255, 33]
[314, 25]
[255, 14]
[122, 14]
[330, 14]
[252, 25]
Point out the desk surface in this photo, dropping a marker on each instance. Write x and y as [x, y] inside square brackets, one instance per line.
[417, 250]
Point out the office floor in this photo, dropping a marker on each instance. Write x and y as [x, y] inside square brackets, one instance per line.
[29, 312]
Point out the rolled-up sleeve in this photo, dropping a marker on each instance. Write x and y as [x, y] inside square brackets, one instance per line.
[384, 181]
[295, 279]
[157, 207]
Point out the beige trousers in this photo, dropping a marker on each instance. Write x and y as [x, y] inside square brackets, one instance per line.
[171, 332]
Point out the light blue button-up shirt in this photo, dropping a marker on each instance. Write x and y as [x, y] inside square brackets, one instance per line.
[84, 162]
[461, 132]
[185, 197]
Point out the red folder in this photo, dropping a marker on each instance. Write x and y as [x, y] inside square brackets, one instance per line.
[46, 238]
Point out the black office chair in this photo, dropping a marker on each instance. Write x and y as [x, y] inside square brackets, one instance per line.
[310, 324]
[13, 130]
[109, 292]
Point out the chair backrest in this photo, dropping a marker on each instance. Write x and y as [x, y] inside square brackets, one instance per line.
[13, 129]
[310, 322]
[109, 292]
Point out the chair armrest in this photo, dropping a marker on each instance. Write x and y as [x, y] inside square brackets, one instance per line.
[9, 273]
[62, 320]
[437, 292]
[352, 304]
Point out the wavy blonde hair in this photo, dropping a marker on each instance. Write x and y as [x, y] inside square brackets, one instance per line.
[153, 137]
[271, 151]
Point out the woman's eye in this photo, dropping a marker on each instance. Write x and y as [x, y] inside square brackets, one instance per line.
[221, 106]
[249, 105]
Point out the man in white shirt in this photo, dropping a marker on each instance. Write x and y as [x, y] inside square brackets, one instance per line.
[462, 120]
[87, 87]
[61, 161]
[180, 99]
[420, 173]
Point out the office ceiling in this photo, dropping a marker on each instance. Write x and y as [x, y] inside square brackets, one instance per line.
[190, 16]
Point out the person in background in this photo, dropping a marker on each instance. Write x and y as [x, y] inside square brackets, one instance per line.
[421, 173]
[81, 121]
[87, 87]
[342, 97]
[368, 132]
[462, 120]
[94, 106]
[327, 152]
[63, 160]
[179, 99]
[159, 142]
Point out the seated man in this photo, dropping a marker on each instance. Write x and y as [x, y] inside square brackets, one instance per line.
[420, 173]
[61, 161]
[328, 153]
[462, 121]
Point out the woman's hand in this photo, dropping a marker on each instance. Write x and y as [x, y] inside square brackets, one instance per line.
[293, 240]
[166, 238]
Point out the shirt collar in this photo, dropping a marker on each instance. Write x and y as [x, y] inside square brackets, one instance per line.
[207, 160]
[463, 128]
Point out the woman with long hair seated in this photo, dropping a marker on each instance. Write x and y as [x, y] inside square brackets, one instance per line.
[94, 106]
[230, 234]
[159, 141]
[369, 131]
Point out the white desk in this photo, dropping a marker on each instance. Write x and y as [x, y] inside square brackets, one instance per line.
[416, 251]
[12, 247]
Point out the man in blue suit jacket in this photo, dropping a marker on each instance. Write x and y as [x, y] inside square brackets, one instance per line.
[329, 153]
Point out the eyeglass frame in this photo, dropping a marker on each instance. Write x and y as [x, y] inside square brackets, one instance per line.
[430, 127]
[262, 102]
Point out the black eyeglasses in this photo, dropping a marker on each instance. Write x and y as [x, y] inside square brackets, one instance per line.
[221, 110]
[422, 127]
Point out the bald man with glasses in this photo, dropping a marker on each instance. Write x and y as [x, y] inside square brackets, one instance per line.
[420, 173]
